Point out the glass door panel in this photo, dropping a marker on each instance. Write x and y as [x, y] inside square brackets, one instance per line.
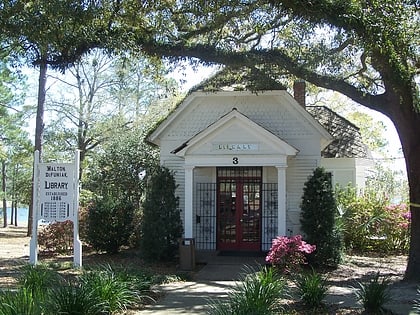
[227, 209]
[250, 221]
[239, 209]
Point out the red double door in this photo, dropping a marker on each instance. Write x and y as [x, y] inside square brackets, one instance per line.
[239, 209]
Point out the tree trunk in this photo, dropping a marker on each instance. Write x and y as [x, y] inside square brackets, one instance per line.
[12, 213]
[16, 213]
[3, 189]
[39, 128]
[413, 171]
[407, 123]
[14, 194]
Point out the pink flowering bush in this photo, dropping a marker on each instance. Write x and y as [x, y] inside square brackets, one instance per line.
[56, 238]
[288, 253]
[396, 228]
[377, 226]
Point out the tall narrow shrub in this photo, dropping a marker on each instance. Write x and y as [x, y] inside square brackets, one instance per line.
[318, 219]
[161, 225]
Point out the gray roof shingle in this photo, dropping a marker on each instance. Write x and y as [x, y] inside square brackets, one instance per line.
[347, 138]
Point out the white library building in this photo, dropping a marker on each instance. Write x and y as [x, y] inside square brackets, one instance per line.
[241, 157]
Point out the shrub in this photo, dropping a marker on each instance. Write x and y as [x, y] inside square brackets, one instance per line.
[370, 223]
[102, 290]
[288, 254]
[109, 290]
[257, 293]
[73, 299]
[38, 279]
[374, 293]
[19, 302]
[312, 288]
[396, 228]
[109, 224]
[161, 225]
[318, 219]
[57, 238]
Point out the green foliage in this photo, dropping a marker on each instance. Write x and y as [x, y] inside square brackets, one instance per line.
[109, 223]
[19, 302]
[116, 169]
[370, 223]
[387, 184]
[15, 148]
[312, 288]
[417, 302]
[38, 279]
[73, 299]
[161, 226]
[374, 293]
[109, 290]
[101, 290]
[257, 293]
[318, 219]
[56, 238]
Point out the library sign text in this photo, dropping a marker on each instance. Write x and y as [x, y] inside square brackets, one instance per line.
[235, 146]
[56, 191]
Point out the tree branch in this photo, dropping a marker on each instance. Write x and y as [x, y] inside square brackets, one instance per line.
[211, 55]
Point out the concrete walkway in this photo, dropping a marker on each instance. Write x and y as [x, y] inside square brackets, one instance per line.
[221, 273]
[212, 282]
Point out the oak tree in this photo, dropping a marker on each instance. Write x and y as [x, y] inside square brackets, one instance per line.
[368, 50]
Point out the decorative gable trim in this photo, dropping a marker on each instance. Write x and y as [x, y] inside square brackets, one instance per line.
[242, 122]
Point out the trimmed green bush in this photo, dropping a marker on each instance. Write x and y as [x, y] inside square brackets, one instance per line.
[161, 226]
[318, 219]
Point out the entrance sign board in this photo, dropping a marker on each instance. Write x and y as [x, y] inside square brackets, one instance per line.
[56, 193]
[56, 199]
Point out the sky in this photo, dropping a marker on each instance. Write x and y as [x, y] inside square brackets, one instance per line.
[190, 78]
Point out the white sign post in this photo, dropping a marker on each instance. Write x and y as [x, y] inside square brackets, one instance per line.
[56, 198]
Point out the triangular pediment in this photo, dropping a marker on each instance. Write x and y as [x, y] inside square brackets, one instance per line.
[235, 132]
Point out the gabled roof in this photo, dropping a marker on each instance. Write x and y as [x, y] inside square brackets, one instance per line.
[347, 140]
[282, 96]
[244, 125]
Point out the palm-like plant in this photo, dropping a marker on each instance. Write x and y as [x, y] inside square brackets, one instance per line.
[312, 288]
[257, 293]
[19, 302]
[73, 299]
[38, 279]
[374, 293]
[109, 290]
